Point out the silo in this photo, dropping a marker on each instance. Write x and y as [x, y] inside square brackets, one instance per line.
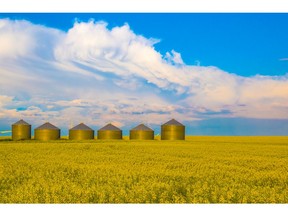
[46, 132]
[81, 132]
[21, 130]
[141, 132]
[172, 130]
[109, 132]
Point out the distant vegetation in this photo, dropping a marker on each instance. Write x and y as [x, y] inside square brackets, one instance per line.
[198, 170]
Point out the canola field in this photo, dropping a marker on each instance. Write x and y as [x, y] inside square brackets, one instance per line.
[197, 170]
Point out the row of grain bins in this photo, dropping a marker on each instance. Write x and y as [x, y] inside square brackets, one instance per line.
[171, 130]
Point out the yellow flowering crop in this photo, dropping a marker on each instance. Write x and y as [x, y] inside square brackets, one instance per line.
[198, 170]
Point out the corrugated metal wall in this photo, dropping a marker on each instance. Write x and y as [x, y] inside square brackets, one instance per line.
[21, 132]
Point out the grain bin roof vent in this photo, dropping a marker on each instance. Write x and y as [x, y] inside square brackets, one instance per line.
[141, 127]
[48, 126]
[173, 122]
[21, 122]
[81, 127]
[109, 127]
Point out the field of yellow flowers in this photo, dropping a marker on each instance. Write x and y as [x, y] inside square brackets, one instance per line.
[198, 170]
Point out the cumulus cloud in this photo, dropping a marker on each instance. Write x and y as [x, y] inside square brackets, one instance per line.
[98, 75]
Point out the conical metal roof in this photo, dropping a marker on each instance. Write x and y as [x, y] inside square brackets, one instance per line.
[173, 122]
[141, 127]
[109, 127]
[81, 126]
[48, 126]
[21, 122]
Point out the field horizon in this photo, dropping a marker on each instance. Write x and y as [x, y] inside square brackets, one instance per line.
[156, 137]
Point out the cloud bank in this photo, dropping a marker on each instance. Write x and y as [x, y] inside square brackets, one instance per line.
[97, 75]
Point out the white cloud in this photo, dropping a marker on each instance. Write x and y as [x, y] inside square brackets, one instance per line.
[13, 42]
[21, 38]
[174, 58]
[4, 100]
[98, 75]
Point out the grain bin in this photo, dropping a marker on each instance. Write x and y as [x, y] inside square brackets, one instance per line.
[81, 132]
[172, 130]
[109, 132]
[141, 132]
[46, 132]
[21, 130]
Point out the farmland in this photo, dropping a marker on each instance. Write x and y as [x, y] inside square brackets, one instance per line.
[197, 170]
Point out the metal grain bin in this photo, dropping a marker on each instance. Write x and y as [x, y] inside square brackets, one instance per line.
[172, 130]
[21, 130]
[46, 132]
[109, 132]
[81, 132]
[141, 132]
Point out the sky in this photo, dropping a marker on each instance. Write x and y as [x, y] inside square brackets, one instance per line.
[217, 73]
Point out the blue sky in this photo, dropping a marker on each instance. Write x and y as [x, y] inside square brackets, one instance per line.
[220, 74]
